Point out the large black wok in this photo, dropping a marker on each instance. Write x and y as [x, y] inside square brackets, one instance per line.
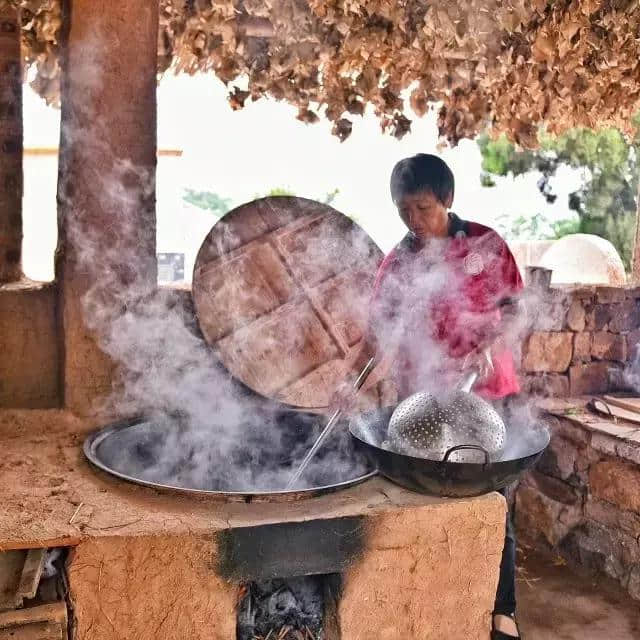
[445, 478]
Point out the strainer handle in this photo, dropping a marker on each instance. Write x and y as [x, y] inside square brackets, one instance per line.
[468, 382]
[460, 447]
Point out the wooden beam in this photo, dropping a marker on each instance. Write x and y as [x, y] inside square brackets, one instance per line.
[53, 151]
[44, 622]
[10, 146]
[31, 573]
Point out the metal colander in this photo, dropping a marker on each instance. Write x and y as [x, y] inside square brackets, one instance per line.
[424, 426]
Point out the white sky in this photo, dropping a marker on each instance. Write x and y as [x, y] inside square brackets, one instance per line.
[241, 154]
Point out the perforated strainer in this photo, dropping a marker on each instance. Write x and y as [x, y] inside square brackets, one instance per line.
[426, 426]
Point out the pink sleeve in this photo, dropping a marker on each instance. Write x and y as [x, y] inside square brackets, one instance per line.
[384, 268]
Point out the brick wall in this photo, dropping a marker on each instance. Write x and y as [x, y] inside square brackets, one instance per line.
[581, 340]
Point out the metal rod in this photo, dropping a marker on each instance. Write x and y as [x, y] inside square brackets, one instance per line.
[335, 416]
[468, 382]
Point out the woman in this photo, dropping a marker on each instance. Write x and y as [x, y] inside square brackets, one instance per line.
[442, 300]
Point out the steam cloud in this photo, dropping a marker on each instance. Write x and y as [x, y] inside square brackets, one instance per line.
[207, 431]
[214, 434]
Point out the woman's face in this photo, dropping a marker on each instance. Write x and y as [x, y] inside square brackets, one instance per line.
[425, 215]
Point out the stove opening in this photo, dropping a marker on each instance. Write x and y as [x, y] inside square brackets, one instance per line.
[300, 608]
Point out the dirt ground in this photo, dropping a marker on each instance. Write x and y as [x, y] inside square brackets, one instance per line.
[558, 603]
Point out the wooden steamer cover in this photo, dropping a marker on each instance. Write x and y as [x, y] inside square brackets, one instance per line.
[281, 288]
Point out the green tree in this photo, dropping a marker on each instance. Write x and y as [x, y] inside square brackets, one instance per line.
[605, 203]
[219, 206]
[208, 201]
[328, 198]
[277, 191]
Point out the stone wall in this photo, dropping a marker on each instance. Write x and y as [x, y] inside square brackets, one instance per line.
[583, 499]
[581, 340]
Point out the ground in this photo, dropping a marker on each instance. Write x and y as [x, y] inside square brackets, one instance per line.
[557, 603]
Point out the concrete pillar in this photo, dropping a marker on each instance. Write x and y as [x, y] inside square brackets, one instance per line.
[10, 146]
[106, 182]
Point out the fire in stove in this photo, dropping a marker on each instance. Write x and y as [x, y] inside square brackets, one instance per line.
[286, 609]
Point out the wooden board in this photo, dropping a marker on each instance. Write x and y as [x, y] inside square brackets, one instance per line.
[44, 622]
[11, 565]
[630, 403]
[31, 573]
[612, 411]
[281, 288]
[20, 573]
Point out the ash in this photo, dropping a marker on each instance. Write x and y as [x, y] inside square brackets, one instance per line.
[291, 609]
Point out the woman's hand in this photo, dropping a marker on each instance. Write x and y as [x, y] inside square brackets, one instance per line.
[479, 361]
[344, 398]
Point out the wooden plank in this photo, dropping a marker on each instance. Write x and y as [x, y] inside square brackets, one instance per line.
[37, 631]
[44, 622]
[631, 404]
[278, 348]
[51, 612]
[11, 564]
[31, 572]
[606, 409]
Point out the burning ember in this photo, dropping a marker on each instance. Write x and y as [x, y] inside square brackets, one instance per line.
[291, 609]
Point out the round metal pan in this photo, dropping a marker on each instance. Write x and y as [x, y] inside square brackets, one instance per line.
[126, 450]
[443, 477]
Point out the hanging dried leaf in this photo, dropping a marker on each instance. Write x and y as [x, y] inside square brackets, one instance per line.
[418, 102]
[342, 128]
[512, 64]
[400, 126]
[356, 107]
[237, 98]
[305, 115]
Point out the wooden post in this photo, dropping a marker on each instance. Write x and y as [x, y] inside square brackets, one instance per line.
[106, 182]
[10, 145]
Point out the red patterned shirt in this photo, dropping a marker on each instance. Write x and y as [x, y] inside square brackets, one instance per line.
[438, 303]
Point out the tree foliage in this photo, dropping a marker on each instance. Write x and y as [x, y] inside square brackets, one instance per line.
[219, 206]
[606, 201]
[209, 201]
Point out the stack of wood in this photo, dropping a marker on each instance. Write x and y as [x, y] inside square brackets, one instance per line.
[31, 607]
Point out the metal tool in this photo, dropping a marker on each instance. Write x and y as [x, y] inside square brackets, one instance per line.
[447, 476]
[426, 426]
[137, 450]
[364, 374]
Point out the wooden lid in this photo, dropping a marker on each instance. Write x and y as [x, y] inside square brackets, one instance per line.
[281, 288]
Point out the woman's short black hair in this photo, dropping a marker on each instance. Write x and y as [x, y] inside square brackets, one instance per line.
[422, 172]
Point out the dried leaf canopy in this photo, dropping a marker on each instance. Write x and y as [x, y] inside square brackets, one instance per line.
[511, 65]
